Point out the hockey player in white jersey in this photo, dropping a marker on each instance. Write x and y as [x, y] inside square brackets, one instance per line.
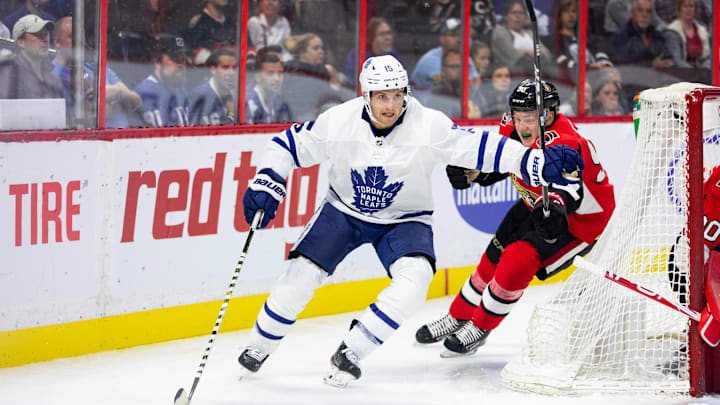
[382, 148]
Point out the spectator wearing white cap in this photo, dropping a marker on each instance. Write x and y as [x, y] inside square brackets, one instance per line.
[29, 73]
[34, 7]
[427, 73]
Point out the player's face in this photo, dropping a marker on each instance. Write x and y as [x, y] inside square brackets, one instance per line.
[224, 72]
[270, 78]
[526, 124]
[386, 106]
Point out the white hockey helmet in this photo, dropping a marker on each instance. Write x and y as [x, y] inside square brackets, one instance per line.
[383, 73]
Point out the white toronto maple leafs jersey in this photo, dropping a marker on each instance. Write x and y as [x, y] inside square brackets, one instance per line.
[387, 179]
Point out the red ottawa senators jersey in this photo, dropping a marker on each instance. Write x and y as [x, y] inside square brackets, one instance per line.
[598, 202]
[711, 207]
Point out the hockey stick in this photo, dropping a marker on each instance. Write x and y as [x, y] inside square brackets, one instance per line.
[539, 96]
[580, 262]
[182, 397]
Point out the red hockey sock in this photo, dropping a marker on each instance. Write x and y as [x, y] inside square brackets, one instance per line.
[518, 264]
[470, 295]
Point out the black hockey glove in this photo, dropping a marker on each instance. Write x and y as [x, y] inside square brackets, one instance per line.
[556, 223]
[458, 178]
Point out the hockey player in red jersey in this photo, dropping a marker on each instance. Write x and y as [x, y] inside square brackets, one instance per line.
[527, 243]
[709, 326]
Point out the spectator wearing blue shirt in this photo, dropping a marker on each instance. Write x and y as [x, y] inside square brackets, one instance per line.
[263, 103]
[427, 72]
[119, 99]
[213, 102]
[165, 100]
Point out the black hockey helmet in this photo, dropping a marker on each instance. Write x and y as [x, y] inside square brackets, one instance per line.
[523, 97]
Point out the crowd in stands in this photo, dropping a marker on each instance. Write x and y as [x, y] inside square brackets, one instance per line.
[174, 62]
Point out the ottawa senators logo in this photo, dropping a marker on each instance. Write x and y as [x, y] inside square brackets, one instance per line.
[550, 137]
[506, 119]
[527, 195]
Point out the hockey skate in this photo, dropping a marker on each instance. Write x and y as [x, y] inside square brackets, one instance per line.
[251, 359]
[436, 331]
[465, 341]
[345, 367]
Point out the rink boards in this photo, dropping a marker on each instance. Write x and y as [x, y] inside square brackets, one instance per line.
[126, 241]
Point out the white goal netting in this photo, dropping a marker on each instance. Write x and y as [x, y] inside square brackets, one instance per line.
[598, 336]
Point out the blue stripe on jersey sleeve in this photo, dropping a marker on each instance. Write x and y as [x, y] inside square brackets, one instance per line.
[481, 151]
[498, 153]
[290, 146]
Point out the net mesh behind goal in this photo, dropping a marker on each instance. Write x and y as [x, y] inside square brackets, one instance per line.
[597, 336]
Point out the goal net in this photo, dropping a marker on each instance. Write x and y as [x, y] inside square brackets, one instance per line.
[597, 336]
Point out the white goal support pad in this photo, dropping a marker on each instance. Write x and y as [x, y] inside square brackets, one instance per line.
[596, 336]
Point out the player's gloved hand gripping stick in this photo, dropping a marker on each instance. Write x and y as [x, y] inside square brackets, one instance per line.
[265, 192]
[183, 397]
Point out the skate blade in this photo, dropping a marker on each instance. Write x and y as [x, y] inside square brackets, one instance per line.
[447, 354]
[244, 373]
[338, 378]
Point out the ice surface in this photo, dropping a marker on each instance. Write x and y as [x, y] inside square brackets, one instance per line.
[400, 372]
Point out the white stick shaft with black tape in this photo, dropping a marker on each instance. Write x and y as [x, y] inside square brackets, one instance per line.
[538, 95]
[183, 397]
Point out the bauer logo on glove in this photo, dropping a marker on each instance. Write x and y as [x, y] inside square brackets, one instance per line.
[557, 164]
[265, 193]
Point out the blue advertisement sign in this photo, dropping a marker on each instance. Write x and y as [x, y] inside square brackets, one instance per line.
[485, 207]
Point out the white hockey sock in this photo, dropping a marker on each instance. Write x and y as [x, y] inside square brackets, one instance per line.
[408, 290]
[471, 291]
[288, 298]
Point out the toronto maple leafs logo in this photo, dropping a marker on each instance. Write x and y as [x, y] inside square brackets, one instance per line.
[371, 193]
